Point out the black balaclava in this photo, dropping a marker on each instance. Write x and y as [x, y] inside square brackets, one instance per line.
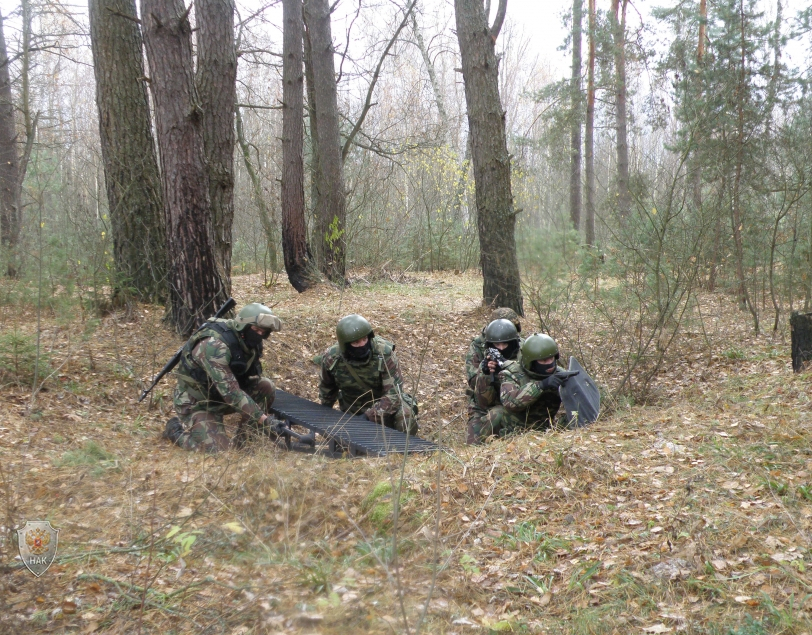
[252, 339]
[358, 353]
[543, 369]
[510, 352]
[512, 349]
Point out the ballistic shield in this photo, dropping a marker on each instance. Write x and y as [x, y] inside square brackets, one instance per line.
[581, 397]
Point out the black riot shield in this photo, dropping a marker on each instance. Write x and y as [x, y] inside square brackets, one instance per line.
[581, 397]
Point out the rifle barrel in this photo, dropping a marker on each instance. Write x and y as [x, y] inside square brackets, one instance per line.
[227, 306]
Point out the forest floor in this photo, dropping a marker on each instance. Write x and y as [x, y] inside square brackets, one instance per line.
[691, 513]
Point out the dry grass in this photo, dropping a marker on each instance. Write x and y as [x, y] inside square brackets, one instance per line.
[692, 515]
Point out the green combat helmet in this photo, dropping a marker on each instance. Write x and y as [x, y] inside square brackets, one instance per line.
[258, 314]
[538, 346]
[501, 331]
[351, 328]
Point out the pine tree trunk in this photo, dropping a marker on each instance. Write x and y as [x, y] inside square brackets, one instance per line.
[331, 211]
[589, 132]
[621, 125]
[10, 218]
[130, 166]
[695, 165]
[312, 117]
[217, 90]
[575, 121]
[298, 263]
[800, 325]
[745, 301]
[496, 218]
[196, 286]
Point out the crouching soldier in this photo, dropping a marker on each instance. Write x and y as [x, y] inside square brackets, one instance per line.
[528, 389]
[473, 359]
[361, 371]
[220, 373]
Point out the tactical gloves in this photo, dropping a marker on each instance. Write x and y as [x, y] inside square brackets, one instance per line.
[557, 380]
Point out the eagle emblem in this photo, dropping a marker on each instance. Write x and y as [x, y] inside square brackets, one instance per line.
[37, 542]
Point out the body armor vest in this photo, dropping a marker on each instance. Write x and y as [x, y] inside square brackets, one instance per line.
[244, 361]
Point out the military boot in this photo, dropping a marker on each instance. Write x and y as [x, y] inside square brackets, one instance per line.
[173, 430]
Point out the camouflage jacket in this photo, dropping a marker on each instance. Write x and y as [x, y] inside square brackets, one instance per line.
[483, 393]
[474, 357]
[523, 396]
[356, 385]
[215, 370]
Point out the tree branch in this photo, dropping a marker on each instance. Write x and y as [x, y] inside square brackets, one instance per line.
[124, 15]
[368, 102]
[499, 19]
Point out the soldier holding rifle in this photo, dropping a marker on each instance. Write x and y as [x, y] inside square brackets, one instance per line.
[219, 372]
[528, 396]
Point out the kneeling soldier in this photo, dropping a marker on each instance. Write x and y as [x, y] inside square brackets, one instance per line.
[361, 371]
[528, 389]
[220, 373]
[473, 358]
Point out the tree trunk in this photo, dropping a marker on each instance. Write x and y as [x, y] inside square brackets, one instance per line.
[621, 141]
[800, 325]
[128, 151]
[445, 122]
[196, 286]
[695, 164]
[298, 263]
[575, 121]
[496, 218]
[268, 224]
[10, 217]
[745, 302]
[331, 210]
[313, 121]
[216, 86]
[589, 132]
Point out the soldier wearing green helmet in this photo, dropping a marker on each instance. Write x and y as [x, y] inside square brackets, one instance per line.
[361, 372]
[220, 373]
[528, 390]
[473, 361]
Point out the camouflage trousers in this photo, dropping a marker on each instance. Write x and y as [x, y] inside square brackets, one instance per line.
[500, 422]
[402, 420]
[475, 415]
[202, 418]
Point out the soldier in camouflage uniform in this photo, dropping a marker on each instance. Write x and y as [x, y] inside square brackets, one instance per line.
[473, 359]
[361, 371]
[527, 390]
[220, 373]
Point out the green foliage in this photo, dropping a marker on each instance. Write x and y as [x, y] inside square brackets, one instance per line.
[375, 551]
[750, 627]
[180, 542]
[378, 505]
[19, 360]
[469, 564]
[315, 573]
[90, 455]
[520, 533]
[549, 545]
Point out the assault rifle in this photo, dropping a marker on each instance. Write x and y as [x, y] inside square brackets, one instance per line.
[282, 428]
[227, 306]
[495, 355]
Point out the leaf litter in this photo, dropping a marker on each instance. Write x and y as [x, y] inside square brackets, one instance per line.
[689, 513]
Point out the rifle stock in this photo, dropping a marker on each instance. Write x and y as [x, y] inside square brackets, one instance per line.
[227, 306]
